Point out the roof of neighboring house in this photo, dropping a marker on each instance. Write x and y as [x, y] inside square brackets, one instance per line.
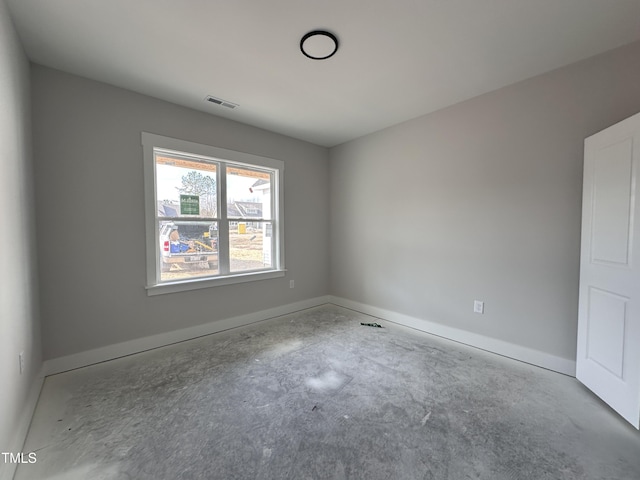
[244, 210]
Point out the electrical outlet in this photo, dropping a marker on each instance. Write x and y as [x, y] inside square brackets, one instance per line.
[478, 306]
[292, 283]
[21, 360]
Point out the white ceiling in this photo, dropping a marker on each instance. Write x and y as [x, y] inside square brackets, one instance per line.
[398, 59]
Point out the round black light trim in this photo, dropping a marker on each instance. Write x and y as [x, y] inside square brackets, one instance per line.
[319, 45]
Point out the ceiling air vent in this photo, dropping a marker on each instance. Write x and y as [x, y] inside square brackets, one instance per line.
[219, 101]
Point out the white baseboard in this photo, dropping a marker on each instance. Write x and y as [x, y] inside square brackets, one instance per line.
[110, 352]
[20, 435]
[517, 352]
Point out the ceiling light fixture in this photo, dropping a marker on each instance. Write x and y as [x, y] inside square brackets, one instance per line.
[319, 45]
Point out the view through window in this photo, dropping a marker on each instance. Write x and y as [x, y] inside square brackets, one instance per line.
[213, 217]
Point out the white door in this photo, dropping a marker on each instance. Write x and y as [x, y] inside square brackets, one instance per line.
[608, 360]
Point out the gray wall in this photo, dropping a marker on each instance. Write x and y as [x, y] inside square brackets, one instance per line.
[481, 200]
[19, 324]
[90, 215]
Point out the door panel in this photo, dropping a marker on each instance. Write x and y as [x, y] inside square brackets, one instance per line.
[608, 360]
[611, 203]
[605, 335]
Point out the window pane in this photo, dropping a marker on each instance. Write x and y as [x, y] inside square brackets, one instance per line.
[188, 249]
[250, 245]
[185, 187]
[248, 193]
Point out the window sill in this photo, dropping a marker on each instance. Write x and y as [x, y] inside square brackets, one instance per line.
[197, 284]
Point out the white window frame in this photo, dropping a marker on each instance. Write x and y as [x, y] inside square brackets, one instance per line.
[152, 142]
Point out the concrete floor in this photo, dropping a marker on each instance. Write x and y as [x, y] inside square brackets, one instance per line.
[315, 395]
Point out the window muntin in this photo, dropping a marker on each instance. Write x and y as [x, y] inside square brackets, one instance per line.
[216, 220]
